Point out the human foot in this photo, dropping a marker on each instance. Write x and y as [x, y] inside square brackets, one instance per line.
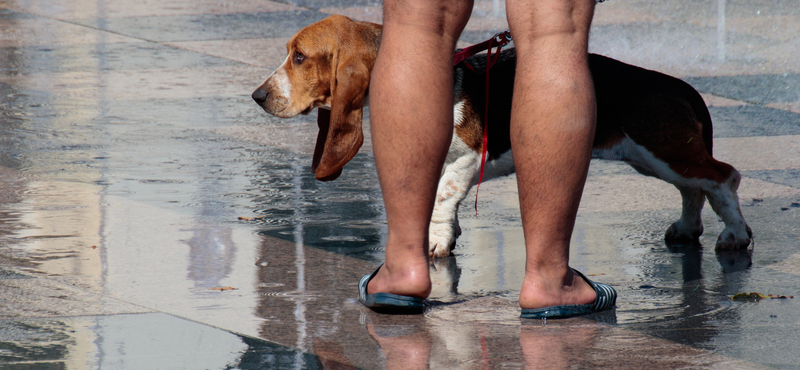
[390, 302]
[408, 279]
[571, 299]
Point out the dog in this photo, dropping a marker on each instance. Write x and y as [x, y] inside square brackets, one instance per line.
[656, 123]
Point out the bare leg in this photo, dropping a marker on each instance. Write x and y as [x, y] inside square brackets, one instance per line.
[411, 100]
[552, 128]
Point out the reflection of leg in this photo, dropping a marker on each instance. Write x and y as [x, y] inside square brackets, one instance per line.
[542, 351]
[330, 355]
[445, 275]
[405, 346]
[552, 128]
[551, 347]
[411, 101]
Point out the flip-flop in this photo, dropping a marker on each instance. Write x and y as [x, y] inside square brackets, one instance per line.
[387, 302]
[606, 299]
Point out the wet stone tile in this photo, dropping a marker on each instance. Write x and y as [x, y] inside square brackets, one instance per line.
[108, 9]
[201, 111]
[209, 27]
[93, 88]
[33, 342]
[102, 57]
[761, 9]
[316, 4]
[31, 30]
[753, 120]
[474, 37]
[760, 89]
[140, 341]
[760, 153]
[8, 274]
[688, 9]
[372, 14]
[670, 40]
[345, 217]
[788, 177]
[40, 106]
[744, 330]
[8, 14]
[267, 53]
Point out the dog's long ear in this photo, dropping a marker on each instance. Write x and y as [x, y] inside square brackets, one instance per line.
[340, 135]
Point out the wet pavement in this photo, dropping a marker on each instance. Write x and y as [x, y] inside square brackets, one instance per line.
[129, 150]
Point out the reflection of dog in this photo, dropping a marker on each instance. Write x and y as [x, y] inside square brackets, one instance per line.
[656, 123]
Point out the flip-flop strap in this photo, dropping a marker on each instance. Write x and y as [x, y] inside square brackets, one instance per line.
[606, 295]
[364, 283]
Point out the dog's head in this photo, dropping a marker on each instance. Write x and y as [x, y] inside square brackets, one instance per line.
[327, 67]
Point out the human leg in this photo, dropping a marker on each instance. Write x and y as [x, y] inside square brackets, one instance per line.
[552, 128]
[411, 100]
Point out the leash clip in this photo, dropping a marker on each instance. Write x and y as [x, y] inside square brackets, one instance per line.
[503, 38]
[497, 41]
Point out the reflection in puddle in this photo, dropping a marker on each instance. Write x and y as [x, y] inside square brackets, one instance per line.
[140, 341]
[211, 255]
[345, 216]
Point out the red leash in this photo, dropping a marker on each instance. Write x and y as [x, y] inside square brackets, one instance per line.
[500, 39]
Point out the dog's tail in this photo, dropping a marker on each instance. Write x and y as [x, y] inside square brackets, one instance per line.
[703, 117]
[708, 131]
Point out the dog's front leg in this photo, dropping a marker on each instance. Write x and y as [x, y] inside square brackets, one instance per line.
[456, 180]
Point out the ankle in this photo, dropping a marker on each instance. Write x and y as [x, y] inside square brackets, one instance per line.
[407, 278]
[560, 289]
[552, 274]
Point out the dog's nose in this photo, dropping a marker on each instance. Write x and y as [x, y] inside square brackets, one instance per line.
[260, 96]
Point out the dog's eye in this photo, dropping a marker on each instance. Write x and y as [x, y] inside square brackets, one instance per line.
[298, 57]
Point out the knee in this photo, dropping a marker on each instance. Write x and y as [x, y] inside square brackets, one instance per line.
[441, 17]
[529, 22]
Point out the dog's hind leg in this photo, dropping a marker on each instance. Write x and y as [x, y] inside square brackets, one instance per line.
[696, 173]
[725, 202]
[718, 181]
[687, 230]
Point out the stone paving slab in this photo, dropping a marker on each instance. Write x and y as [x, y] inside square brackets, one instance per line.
[80, 9]
[207, 26]
[133, 341]
[29, 30]
[266, 53]
[26, 296]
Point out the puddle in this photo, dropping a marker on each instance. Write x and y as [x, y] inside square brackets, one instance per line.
[141, 341]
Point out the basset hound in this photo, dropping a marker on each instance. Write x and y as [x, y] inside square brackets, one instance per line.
[656, 123]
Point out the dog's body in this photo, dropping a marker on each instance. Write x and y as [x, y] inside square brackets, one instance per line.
[656, 123]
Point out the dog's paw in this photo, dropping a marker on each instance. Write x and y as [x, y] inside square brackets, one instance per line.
[440, 247]
[442, 239]
[678, 233]
[731, 240]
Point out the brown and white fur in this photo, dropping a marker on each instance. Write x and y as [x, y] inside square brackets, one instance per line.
[656, 123]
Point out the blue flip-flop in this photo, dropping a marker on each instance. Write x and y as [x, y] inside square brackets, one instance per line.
[387, 302]
[606, 299]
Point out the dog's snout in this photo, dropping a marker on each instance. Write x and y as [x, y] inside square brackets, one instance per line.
[260, 95]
